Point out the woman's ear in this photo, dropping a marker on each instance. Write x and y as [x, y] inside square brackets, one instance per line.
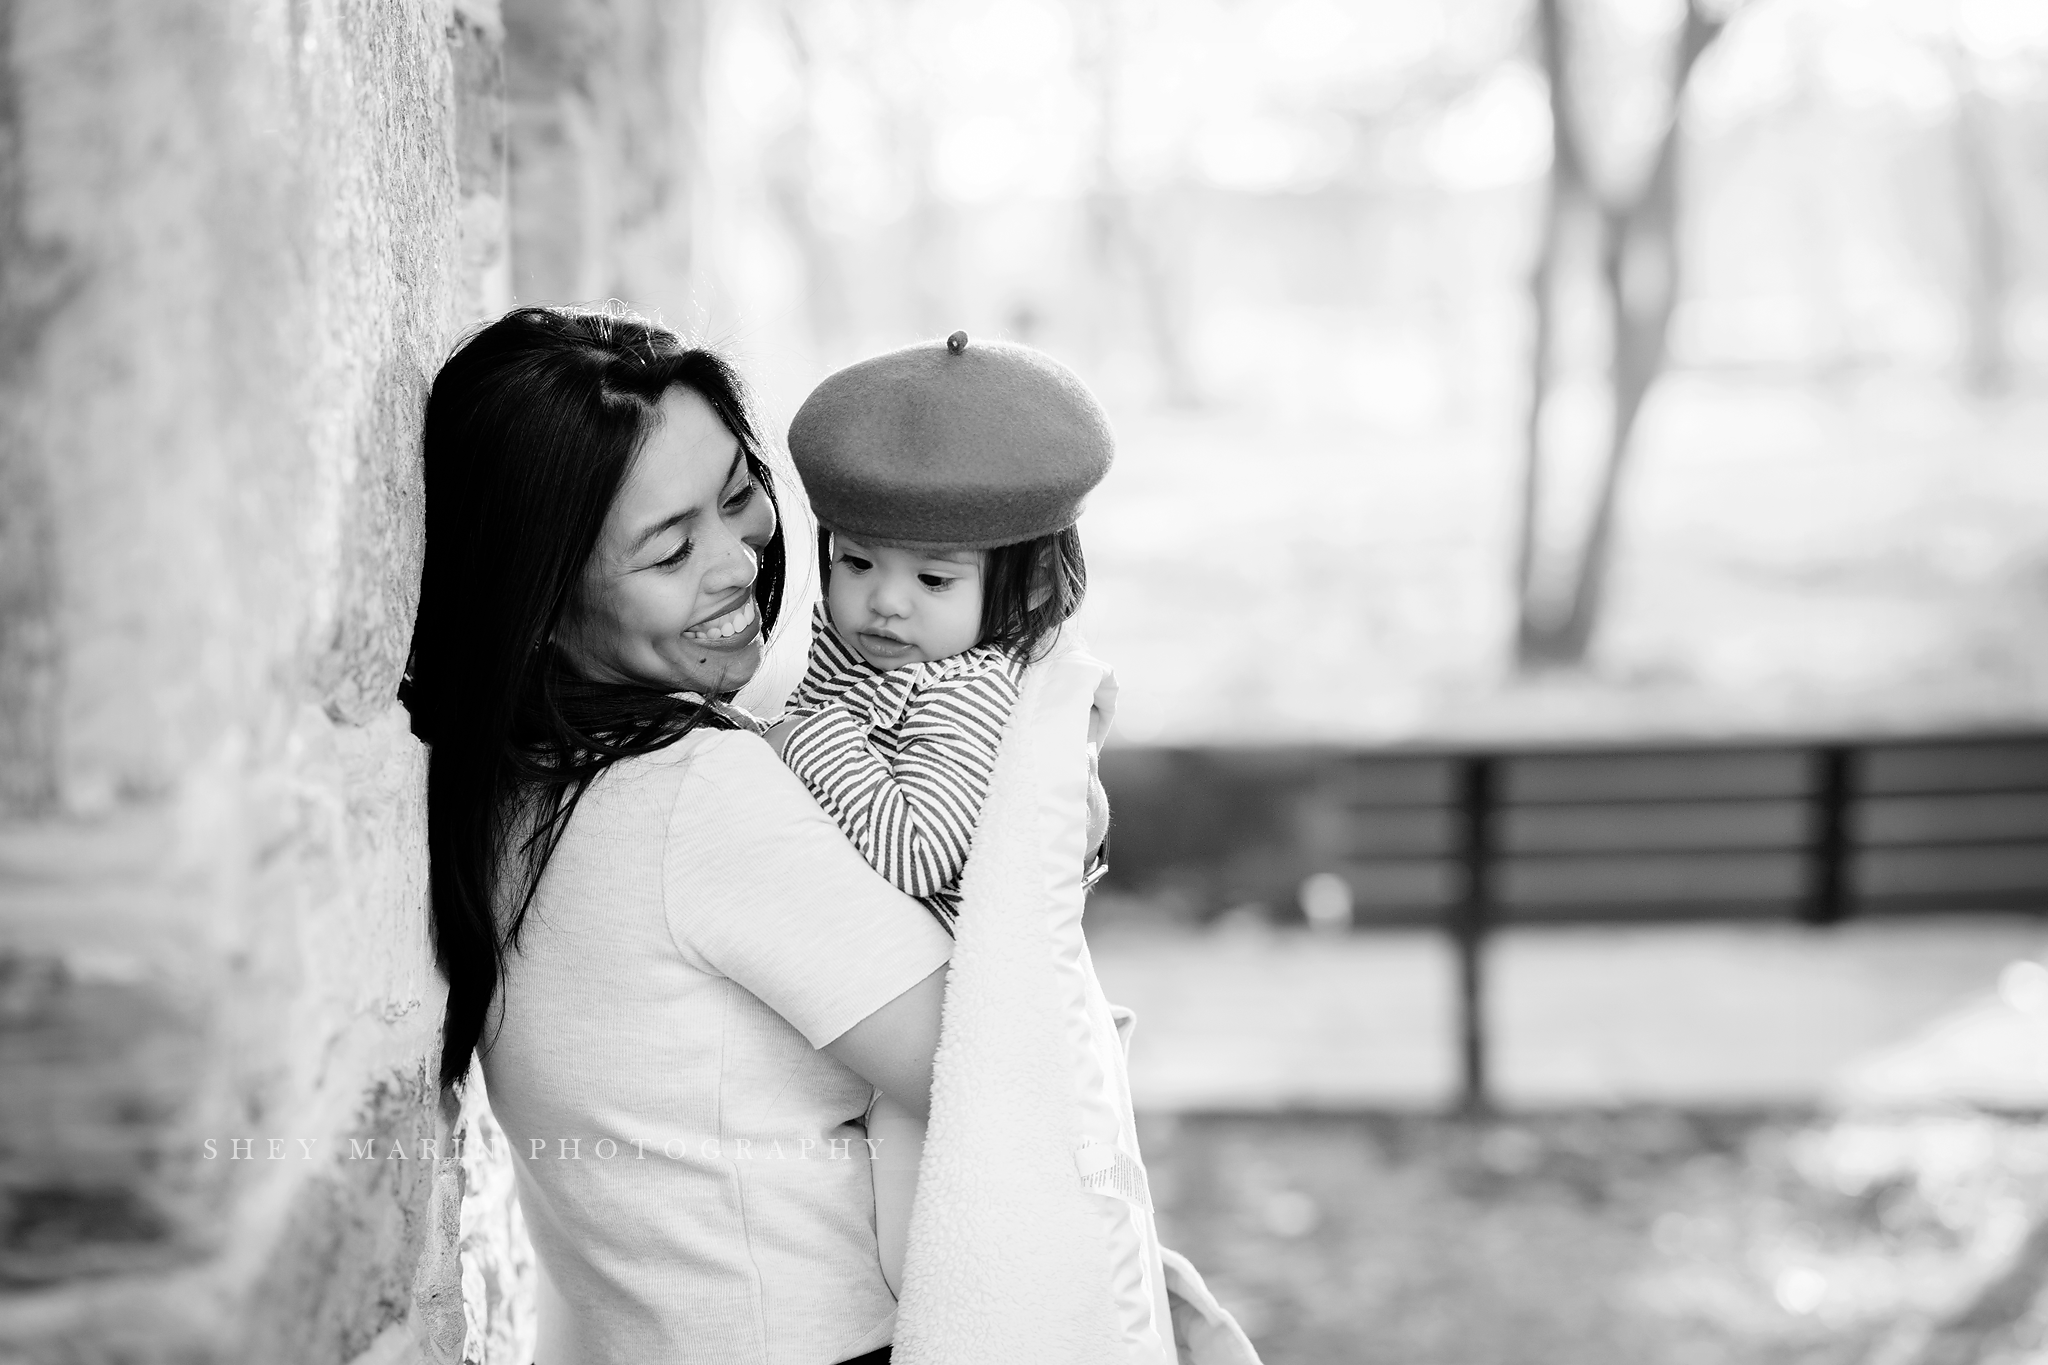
[570, 636]
[566, 639]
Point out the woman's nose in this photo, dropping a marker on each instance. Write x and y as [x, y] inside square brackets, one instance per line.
[737, 562]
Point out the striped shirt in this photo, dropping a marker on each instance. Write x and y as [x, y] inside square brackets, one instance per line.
[901, 760]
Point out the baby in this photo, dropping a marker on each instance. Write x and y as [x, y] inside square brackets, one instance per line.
[947, 480]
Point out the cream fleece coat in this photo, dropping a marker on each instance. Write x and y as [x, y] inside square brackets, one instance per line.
[1031, 1237]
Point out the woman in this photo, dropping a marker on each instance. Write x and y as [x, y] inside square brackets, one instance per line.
[684, 985]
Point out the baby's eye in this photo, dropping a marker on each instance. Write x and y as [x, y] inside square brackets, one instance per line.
[936, 582]
[855, 563]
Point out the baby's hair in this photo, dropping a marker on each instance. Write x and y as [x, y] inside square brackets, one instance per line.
[1028, 590]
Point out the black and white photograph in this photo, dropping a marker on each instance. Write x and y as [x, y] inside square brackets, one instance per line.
[1023, 682]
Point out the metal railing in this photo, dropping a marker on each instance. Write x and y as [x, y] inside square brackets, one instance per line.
[1474, 839]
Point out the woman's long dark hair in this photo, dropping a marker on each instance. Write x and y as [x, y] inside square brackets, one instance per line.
[531, 428]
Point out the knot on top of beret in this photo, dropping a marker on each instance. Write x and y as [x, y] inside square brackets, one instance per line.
[943, 444]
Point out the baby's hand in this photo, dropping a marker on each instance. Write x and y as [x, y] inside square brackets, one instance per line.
[778, 735]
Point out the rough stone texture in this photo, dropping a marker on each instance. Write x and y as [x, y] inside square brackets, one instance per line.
[476, 39]
[498, 1270]
[36, 275]
[236, 239]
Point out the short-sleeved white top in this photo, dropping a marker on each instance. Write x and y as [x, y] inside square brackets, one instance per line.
[691, 1167]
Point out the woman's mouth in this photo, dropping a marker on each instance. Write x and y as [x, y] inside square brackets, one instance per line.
[723, 628]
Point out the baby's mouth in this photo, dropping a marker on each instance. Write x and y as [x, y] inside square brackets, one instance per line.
[883, 642]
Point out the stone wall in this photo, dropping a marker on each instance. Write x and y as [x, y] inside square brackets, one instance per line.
[237, 237]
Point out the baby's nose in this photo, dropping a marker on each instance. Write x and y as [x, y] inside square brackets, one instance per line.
[891, 600]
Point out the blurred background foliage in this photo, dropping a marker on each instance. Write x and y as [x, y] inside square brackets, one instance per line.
[1482, 368]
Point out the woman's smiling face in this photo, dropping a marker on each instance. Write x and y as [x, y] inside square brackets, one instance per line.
[667, 597]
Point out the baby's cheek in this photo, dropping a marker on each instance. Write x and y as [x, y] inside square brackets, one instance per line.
[839, 606]
[965, 619]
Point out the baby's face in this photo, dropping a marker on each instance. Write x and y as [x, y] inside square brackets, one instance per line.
[896, 607]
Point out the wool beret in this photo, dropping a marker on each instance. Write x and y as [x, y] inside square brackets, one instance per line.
[951, 443]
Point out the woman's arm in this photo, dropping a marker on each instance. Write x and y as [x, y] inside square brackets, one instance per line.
[892, 1048]
[762, 888]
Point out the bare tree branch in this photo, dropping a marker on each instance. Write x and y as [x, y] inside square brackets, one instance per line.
[1636, 242]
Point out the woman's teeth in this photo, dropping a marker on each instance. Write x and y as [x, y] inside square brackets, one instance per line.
[726, 626]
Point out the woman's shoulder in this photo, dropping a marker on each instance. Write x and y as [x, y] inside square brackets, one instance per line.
[729, 780]
[705, 746]
[724, 756]
[653, 783]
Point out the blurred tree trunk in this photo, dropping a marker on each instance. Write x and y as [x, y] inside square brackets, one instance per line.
[605, 132]
[931, 274]
[1118, 230]
[1987, 242]
[788, 177]
[1619, 246]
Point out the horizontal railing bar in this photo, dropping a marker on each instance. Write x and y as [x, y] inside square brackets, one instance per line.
[1508, 806]
[1961, 844]
[1639, 853]
[1399, 752]
[1645, 853]
[1412, 914]
[1629, 912]
[1507, 911]
[1869, 793]
[1369, 909]
[1861, 797]
[1954, 903]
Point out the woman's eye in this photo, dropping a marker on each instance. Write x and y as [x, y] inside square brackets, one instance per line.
[681, 553]
[741, 498]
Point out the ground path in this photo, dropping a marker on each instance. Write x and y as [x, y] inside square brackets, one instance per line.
[1898, 1013]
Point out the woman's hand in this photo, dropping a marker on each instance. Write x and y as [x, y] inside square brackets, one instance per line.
[892, 1048]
